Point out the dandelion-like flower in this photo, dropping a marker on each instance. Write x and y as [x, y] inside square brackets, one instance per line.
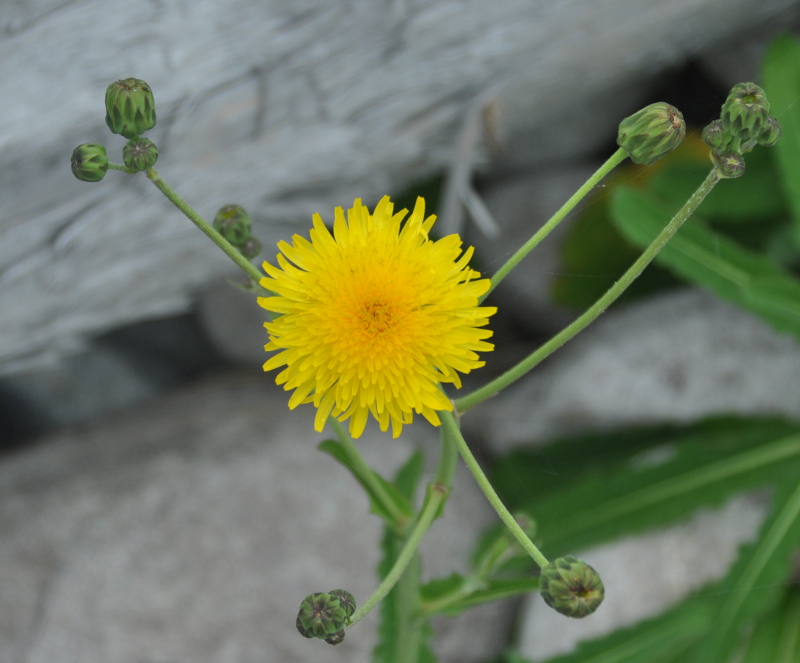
[374, 317]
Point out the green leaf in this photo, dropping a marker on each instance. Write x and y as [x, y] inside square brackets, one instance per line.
[658, 640]
[781, 76]
[707, 467]
[401, 502]
[755, 583]
[776, 637]
[707, 258]
[400, 627]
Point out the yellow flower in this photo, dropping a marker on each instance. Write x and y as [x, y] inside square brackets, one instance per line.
[374, 317]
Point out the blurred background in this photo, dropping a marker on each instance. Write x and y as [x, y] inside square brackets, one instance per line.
[152, 504]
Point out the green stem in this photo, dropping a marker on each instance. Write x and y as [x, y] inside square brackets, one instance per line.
[198, 220]
[505, 515]
[437, 494]
[124, 169]
[617, 158]
[487, 391]
[365, 474]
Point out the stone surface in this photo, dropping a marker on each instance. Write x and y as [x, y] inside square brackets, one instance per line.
[677, 357]
[286, 108]
[190, 529]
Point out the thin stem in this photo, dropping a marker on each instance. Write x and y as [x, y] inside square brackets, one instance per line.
[617, 158]
[365, 473]
[505, 515]
[124, 169]
[198, 220]
[487, 391]
[437, 494]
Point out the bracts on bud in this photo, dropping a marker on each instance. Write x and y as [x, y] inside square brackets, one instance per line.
[325, 614]
[233, 223]
[651, 133]
[139, 154]
[89, 162]
[130, 107]
[572, 587]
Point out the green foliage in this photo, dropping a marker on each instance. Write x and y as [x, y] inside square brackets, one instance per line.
[454, 594]
[708, 462]
[776, 636]
[782, 85]
[707, 258]
[399, 629]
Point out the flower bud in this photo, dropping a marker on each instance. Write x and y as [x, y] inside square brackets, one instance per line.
[652, 132]
[324, 615]
[130, 108]
[745, 113]
[729, 165]
[89, 162]
[572, 587]
[233, 223]
[715, 136]
[770, 134]
[251, 248]
[139, 154]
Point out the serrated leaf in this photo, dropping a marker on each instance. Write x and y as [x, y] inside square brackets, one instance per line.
[781, 76]
[402, 504]
[713, 261]
[658, 640]
[705, 470]
[756, 580]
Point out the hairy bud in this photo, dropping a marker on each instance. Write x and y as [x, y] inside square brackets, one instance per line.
[745, 113]
[770, 134]
[729, 165]
[324, 615]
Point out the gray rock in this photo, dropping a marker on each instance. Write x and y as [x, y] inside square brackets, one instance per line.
[286, 108]
[191, 528]
[678, 357]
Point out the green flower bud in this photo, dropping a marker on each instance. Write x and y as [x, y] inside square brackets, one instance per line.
[324, 615]
[715, 136]
[140, 154]
[728, 164]
[346, 600]
[572, 587]
[745, 113]
[130, 108]
[771, 133]
[652, 132]
[251, 248]
[233, 223]
[89, 162]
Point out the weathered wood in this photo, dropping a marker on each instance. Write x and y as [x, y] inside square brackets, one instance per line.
[284, 107]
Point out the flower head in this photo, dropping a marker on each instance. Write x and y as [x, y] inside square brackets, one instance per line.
[373, 317]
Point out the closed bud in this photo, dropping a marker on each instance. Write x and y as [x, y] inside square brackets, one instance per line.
[233, 223]
[728, 165]
[715, 135]
[572, 587]
[652, 132]
[139, 154]
[745, 113]
[770, 134]
[89, 162]
[130, 108]
[251, 248]
[325, 614]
